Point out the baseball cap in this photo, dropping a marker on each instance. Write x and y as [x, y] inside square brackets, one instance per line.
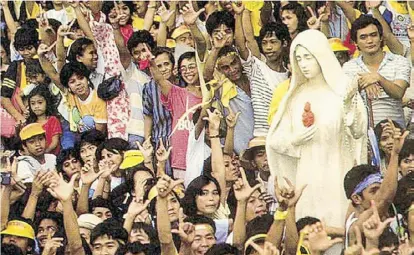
[19, 228]
[31, 130]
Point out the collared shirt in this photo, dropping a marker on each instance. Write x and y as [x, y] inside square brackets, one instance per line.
[135, 80]
[393, 67]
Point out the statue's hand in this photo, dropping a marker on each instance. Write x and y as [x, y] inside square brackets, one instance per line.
[305, 136]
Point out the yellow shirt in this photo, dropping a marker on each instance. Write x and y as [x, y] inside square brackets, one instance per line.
[137, 22]
[93, 106]
[277, 97]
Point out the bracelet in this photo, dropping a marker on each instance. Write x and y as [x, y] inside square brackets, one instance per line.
[279, 215]
[214, 136]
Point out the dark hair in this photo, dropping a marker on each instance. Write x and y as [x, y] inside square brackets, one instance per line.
[185, 55]
[300, 13]
[218, 18]
[378, 132]
[387, 239]
[223, 249]
[259, 225]
[281, 32]
[25, 37]
[362, 22]
[140, 36]
[306, 221]
[33, 67]
[161, 50]
[200, 220]
[226, 50]
[93, 136]
[355, 176]
[43, 91]
[114, 145]
[77, 48]
[10, 249]
[54, 216]
[194, 189]
[113, 229]
[406, 151]
[137, 248]
[55, 24]
[63, 156]
[109, 5]
[100, 202]
[72, 68]
[149, 230]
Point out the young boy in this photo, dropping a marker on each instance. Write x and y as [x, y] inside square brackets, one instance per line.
[34, 159]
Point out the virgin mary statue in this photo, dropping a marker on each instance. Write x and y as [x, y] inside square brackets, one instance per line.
[316, 134]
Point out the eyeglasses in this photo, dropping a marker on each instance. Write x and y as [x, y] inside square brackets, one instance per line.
[190, 67]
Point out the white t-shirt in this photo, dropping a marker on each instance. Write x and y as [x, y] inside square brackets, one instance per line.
[27, 166]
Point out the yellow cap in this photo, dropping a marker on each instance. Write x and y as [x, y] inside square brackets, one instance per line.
[253, 5]
[337, 45]
[19, 228]
[131, 158]
[157, 18]
[31, 130]
[170, 43]
[180, 31]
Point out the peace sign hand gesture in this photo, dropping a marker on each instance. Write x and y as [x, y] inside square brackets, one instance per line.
[186, 230]
[398, 137]
[314, 22]
[242, 189]
[162, 154]
[373, 226]
[287, 196]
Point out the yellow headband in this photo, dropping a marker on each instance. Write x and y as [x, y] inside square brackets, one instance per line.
[252, 239]
[203, 227]
[227, 55]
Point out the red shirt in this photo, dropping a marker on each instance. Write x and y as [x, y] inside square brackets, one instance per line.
[52, 127]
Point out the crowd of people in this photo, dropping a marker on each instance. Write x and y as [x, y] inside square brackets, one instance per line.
[207, 127]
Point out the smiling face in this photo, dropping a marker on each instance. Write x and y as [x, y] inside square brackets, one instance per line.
[38, 105]
[369, 40]
[46, 227]
[164, 64]
[113, 159]
[27, 52]
[204, 239]
[208, 202]
[125, 14]
[186, 39]
[89, 57]
[79, 85]
[231, 67]
[307, 63]
[189, 72]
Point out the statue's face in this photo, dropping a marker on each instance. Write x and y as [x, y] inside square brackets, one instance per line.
[307, 63]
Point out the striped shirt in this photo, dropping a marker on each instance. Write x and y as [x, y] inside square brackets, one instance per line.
[161, 117]
[263, 80]
[393, 67]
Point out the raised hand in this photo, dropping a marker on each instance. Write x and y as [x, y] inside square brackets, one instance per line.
[88, 175]
[137, 206]
[186, 230]
[358, 248]
[164, 13]
[43, 48]
[318, 239]
[64, 30]
[190, 16]
[60, 189]
[314, 22]
[287, 196]
[373, 226]
[324, 12]
[162, 154]
[372, 4]
[148, 53]
[220, 40]
[106, 169]
[41, 180]
[214, 119]
[165, 185]
[52, 244]
[269, 248]
[398, 137]
[146, 148]
[231, 119]
[242, 189]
